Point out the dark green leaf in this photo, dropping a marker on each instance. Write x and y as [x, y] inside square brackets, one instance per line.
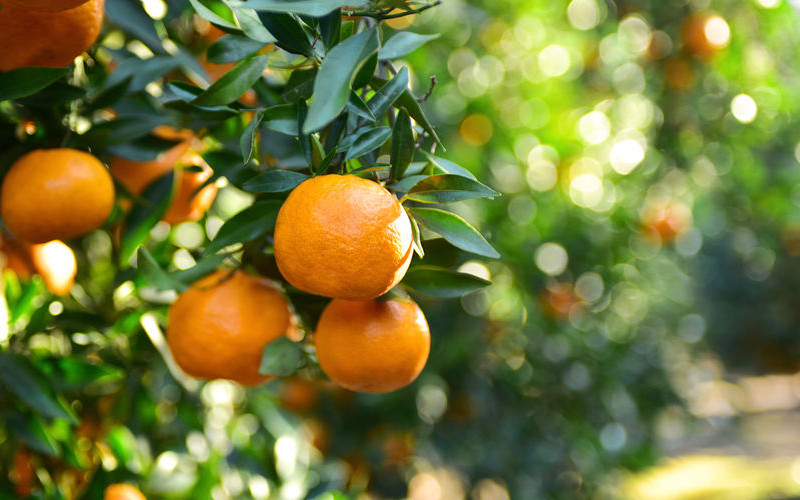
[247, 225]
[27, 81]
[252, 27]
[302, 137]
[152, 272]
[404, 43]
[144, 215]
[281, 357]
[146, 148]
[75, 374]
[20, 377]
[455, 230]
[234, 83]
[288, 32]
[329, 27]
[408, 101]
[448, 188]
[386, 96]
[358, 107]
[369, 140]
[122, 130]
[275, 181]
[402, 144]
[315, 8]
[366, 72]
[232, 48]
[204, 266]
[442, 283]
[32, 431]
[332, 84]
[248, 138]
[405, 184]
[141, 71]
[282, 118]
[417, 238]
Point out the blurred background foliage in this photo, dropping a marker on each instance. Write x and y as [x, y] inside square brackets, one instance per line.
[645, 302]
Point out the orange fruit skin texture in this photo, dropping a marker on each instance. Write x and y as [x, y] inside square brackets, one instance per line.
[56, 194]
[31, 37]
[122, 492]
[188, 204]
[49, 5]
[372, 346]
[219, 327]
[343, 237]
[53, 261]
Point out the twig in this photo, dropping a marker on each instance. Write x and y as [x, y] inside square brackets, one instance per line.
[386, 15]
[430, 90]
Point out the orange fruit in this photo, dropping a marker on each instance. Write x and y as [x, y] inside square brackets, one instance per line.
[50, 5]
[219, 327]
[122, 492]
[53, 261]
[187, 204]
[344, 237]
[704, 34]
[43, 38]
[56, 194]
[299, 395]
[22, 473]
[372, 346]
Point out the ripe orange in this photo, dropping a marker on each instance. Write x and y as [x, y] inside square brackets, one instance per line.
[344, 237]
[122, 492]
[704, 34]
[372, 346]
[187, 204]
[51, 5]
[56, 194]
[22, 473]
[219, 327]
[31, 37]
[53, 260]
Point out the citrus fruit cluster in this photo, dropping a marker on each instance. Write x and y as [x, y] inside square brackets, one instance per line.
[338, 236]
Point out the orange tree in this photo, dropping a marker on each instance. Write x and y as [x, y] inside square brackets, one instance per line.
[266, 157]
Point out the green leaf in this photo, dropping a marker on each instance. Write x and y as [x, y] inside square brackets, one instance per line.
[369, 140]
[416, 241]
[274, 181]
[20, 377]
[358, 107]
[23, 82]
[75, 374]
[315, 8]
[455, 230]
[330, 26]
[332, 84]
[248, 138]
[280, 358]
[141, 71]
[386, 96]
[402, 144]
[121, 131]
[442, 283]
[288, 32]
[365, 74]
[153, 274]
[234, 83]
[405, 184]
[302, 137]
[146, 148]
[282, 118]
[404, 43]
[447, 166]
[408, 101]
[249, 224]
[448, 188]
[144, 215]
[232, 48]
[32, 431]
[204, 266]
[220, 14]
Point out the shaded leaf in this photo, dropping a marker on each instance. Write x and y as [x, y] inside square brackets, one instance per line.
[455, 230]
[23, 82]
[288, 32]
[248, 138]
[402, 144]
[408, 101]
[386, 95]
[281, 357]
[20, 377]
[442, 283]
[131, 17]
[275, 181]
[232, 48]
[144, 215]
[330, 26]
[32, 431]
[153, 274]
[282, 118]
